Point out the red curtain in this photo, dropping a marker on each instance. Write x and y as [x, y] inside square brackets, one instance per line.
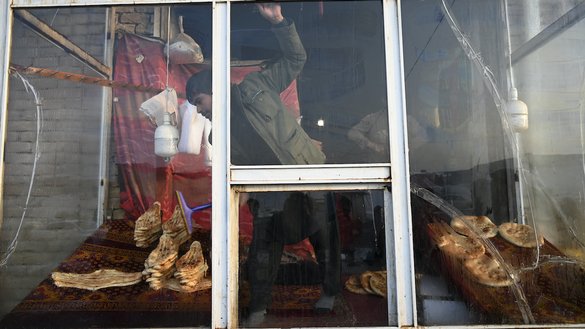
[145, 177]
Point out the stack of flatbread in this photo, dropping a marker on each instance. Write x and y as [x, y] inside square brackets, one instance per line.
[190, 272]
[160, 264]
[99, 279]
[148, 226]
[461, 239]
[468, 250]
[369, 282]
[175, 227]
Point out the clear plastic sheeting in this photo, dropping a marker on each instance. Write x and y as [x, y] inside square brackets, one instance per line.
[51, 160]
[314, 259]
[110, 232]
[470, 66]
[14, 242]
[80, 171]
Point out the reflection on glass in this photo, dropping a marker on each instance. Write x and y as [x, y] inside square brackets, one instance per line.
[97, 247]
[497, 204]
[313, 259]
[308, 89]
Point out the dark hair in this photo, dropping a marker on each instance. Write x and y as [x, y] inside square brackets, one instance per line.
[198, 83]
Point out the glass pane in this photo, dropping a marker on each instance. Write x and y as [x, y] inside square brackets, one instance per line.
[137, 265]
[310, 89]
[314, 258]
[497, 186]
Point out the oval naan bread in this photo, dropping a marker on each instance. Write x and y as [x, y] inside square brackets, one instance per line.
[460, 246]
[480, 225]
[378, 283]
[487, 271]
[365, 281]
[353, 284]
[520, 235]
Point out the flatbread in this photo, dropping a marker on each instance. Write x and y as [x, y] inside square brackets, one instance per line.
[520, 235]
[191, 267]
[353, 284]
[460, 246]
[175, 285]
[365, 281]
[474, 225]
[164, 251]
[176, 228]
[103, 278]
[148, 226]
[378, 283]
[487, 271]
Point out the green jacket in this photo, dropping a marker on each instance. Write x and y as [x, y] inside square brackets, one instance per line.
[263, 130]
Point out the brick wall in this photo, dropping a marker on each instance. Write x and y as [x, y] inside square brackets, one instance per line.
[139, 20]
[62, 209]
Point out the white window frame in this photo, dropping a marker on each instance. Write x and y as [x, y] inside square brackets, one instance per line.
[5, 40]
[229, 181]
[399, 259]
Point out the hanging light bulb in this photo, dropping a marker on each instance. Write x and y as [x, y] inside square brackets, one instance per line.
[166, 139]
[166, 136]
[517, 111]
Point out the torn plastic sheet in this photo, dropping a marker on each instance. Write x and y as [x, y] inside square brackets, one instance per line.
[452, 212]
[39, 129]
[527, 175]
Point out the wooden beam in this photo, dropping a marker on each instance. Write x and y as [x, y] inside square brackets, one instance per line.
[61, 41]
[569, 19]
[80, 78]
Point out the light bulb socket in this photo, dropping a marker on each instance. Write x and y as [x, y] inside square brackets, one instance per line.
[513, 94]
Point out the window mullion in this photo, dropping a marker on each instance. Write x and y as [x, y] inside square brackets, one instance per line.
[220, 186]
[5, 40]
[400, 168]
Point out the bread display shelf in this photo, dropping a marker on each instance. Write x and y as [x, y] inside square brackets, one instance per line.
[553, 288]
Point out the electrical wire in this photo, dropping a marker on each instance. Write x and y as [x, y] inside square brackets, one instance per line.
[168, 47]
[427, 44]
[506, 16]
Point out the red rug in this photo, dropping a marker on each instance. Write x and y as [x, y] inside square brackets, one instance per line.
[111, 246]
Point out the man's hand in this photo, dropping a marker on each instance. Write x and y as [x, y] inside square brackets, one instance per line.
[271, 12]
[318, 144]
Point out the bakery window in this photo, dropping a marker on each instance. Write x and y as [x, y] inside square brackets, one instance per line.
[307, 252]
[375, 163]
[106, 217]
[110, 200]
[494, 104]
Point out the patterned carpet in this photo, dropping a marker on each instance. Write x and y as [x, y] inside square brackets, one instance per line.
[111, 246]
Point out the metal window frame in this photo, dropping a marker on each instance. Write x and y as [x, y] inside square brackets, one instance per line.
[228, 181]
[401, 212]
[6, 17]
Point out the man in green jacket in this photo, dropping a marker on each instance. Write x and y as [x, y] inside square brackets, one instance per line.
[264, 132]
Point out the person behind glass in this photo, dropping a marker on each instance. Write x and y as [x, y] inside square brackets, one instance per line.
[371, 135]
[263, 131]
